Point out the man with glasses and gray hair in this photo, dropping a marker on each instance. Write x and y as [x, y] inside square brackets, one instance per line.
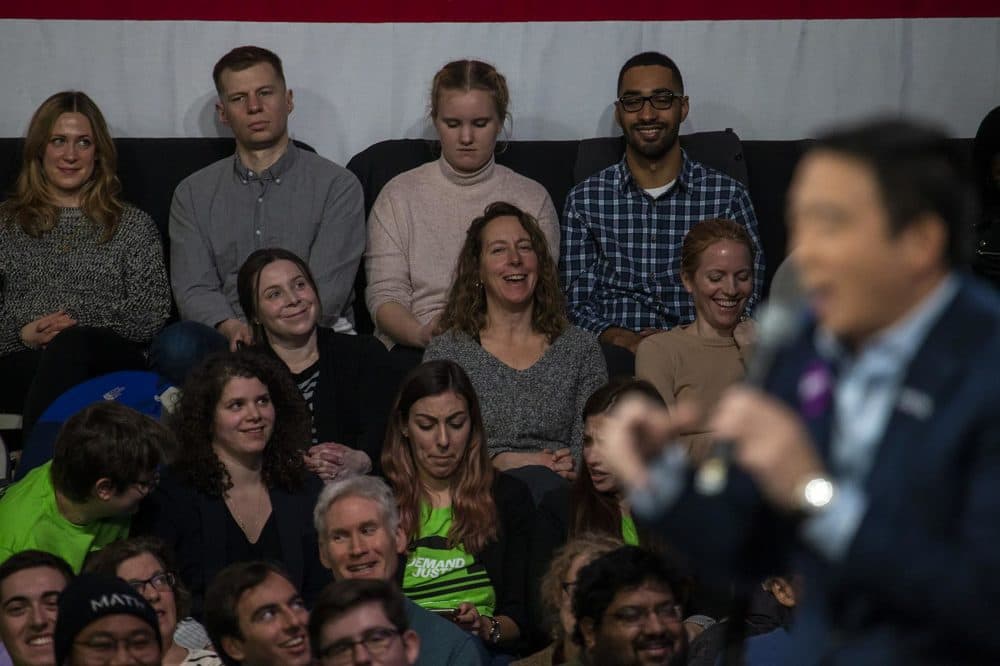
[623, 226]
[360, 537]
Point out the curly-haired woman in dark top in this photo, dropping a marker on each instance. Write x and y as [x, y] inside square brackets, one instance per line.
[82, 281]
[238, 488]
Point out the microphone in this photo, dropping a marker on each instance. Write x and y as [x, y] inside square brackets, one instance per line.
[780, 322]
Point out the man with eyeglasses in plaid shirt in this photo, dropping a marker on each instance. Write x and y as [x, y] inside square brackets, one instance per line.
[623, 227]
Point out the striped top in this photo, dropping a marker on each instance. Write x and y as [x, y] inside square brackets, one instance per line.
[307, 381]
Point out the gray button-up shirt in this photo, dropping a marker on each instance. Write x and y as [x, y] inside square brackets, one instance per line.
[302, 203]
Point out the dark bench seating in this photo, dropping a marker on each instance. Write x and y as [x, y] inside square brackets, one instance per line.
[150, 169]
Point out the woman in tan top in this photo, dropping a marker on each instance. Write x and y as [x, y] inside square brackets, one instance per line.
[697, 362]
[418, 222]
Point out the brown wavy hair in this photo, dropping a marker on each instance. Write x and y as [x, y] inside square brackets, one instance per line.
[31, 206]
[465, 310]
[108, 559]
[591, 511]
[474, 509]
[706, 234]
[194, 416]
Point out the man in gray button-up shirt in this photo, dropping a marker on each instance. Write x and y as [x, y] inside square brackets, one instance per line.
[269, 194]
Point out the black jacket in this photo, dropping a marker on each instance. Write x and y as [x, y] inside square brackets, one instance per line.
[358, 379]
[193, 525]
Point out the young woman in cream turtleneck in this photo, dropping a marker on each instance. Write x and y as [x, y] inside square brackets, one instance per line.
[417, 225]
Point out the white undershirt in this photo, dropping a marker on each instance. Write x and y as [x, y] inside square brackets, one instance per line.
[656, 192]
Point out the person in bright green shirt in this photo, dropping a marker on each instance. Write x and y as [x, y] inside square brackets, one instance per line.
[467, 524]
[357, 521]
[104, 464]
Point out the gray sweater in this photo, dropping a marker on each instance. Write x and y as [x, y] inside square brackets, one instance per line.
[302, 203]
[533, 409]
[121, 285]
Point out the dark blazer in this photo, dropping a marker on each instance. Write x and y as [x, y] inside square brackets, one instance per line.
[506, 559]
[193, 525]
[358, 379]
[551, 530]
[920, 582]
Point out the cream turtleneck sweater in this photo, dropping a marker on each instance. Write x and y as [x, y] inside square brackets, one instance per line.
[417, 227]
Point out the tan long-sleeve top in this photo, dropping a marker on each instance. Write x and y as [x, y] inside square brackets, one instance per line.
[688, 367]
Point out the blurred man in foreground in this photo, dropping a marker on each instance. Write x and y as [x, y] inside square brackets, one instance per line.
[872, 463]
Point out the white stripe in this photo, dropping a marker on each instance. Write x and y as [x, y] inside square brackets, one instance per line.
[356, 84]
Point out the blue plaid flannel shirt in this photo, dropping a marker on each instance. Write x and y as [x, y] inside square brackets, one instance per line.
[621, 248]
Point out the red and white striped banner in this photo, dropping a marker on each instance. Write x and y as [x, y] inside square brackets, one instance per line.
[361, 71]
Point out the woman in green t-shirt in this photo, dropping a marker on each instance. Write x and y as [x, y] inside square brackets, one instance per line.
[596, 499]
[593, 504]
[468, 525]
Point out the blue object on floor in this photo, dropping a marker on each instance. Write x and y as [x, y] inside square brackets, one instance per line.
[141, 391]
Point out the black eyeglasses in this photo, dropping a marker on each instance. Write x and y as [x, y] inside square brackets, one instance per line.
[160, 581]
[636, 615]
[661, 101]
[376, 641]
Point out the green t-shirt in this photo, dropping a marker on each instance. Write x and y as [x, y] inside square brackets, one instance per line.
[630, 535]
[30, 519]
[438, 577]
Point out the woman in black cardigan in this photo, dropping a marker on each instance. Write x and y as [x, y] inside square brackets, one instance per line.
[347, 380]
[468, 525]
[238, 489]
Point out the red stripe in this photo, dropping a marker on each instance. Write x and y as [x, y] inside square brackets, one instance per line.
[433, 11]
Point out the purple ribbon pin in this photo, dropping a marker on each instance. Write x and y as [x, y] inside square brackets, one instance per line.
[815, 389]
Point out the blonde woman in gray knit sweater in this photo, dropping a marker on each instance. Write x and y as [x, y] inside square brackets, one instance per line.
[82, 281]
[418, 221]
[505, 324]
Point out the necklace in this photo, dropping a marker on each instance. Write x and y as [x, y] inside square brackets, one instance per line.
[245, 524]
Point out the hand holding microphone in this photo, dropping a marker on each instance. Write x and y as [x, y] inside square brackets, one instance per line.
[634, 431]
[768, 441]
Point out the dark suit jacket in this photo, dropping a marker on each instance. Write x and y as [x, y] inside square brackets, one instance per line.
[193, 525]
[358, 380]
[920, 583]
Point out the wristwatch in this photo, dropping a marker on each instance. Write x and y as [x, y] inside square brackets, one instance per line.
[494, 630]
[816, 494]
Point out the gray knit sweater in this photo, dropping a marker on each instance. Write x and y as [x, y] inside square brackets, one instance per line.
[534, 409]
[121, 285]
